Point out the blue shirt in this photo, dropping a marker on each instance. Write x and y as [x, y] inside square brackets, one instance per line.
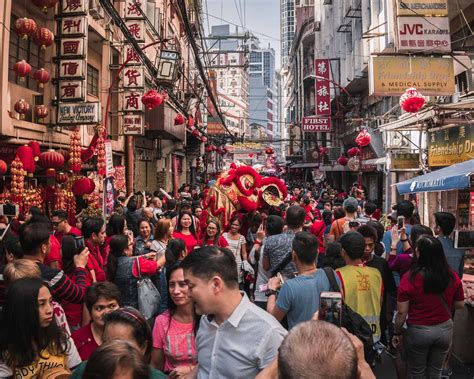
[455, 257]
[299, 297]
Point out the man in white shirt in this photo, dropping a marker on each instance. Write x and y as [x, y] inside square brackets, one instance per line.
[236, 339]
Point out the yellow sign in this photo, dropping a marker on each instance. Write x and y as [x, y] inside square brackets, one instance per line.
[391, 76]
[422, 8]
[450, 145]
[405, 161]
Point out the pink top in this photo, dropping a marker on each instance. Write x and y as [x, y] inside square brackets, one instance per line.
[176, 340]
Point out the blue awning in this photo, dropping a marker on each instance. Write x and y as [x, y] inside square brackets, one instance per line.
[454, 177]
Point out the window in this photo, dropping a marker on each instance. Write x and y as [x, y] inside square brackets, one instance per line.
[23, 49]
[92, 80]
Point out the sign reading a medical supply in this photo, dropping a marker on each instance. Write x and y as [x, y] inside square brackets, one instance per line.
[422, 8]
[316, 124]
[419, 34]
[451, 145]
[391, 76]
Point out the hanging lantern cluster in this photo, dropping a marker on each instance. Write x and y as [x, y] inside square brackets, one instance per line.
[152, 99]
[101, 151]
[43, 37]
[42, 77]
[363, 139]
[75, 151]
[33, 197]
[412, 100]
[25, 27]
[179, 119]
[41, 112]
[70, 200]
[3, 167]
[353, 151]
[342, 160]
[60, 199]
[22, 108]
[51, 161]
[25, 154]
[22, 69]
[83, 186]
[18, 180]
[45, 4]
[61, 177]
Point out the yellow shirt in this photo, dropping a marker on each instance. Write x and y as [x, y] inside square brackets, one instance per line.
[362, 289]
[46, 361]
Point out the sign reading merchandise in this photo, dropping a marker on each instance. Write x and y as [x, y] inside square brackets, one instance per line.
[79, 113]
[419, 34]
[391, 76]
[422, 8]
[450, 146]
[316, 124]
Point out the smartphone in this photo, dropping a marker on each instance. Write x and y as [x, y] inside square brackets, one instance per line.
[330, 307]
[80, 244]
[400, 222]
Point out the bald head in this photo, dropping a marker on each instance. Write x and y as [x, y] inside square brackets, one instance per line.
[317, 349]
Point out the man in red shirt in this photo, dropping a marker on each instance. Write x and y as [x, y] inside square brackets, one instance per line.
[61, 226]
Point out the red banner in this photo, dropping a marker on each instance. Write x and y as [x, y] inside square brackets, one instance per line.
[316, 124]
[323, 89]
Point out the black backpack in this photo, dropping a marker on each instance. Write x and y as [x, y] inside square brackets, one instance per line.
[354, 322]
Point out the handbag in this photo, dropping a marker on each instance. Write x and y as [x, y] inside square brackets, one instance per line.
[148, 295]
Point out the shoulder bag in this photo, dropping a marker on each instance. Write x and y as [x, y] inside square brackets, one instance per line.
[148, 295]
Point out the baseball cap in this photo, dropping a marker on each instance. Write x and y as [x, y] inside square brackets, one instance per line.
[350, 204]
[353, 243]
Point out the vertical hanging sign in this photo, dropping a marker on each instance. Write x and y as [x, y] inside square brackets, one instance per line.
[323, 89]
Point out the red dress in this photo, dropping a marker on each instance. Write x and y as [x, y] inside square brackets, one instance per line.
[189, 240]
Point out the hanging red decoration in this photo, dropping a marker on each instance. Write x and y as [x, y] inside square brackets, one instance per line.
[209, 149]
[179, 119]
[363, 139]
[51, 173]
[43, 37]
[342, 160]
[100, 132]
[61, 177]
[42, 77]
[18, 180]
[51, 159]
[412, 100]
[25, 27]
[190, 122]
[3, 167]
[195, 133]
[251, 155]
[323, 150]
[269, 151]
[65, 154]
[25, 153]
[83, 186]
[75, 151]
[353, 151]
[152, 99]
[204, 139]
[22, 69]
[35, 146]
[22, 108]
[45, 4]
[41, 112]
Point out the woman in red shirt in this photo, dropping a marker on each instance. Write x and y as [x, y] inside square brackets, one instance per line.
[428, 294]
[212, 236]
[185, 230]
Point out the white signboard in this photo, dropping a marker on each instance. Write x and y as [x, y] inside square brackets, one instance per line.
[132, 9]
[72, 90]
[133, 77]
[72, 68]
[133, 125]
[109, 160]
[137, 29]
[71, 47]
[74, 6]
[79, 113]
[423, 34]
[74, 26]
[132, 101]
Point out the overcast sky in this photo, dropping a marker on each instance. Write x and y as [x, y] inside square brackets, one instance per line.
[259, 17]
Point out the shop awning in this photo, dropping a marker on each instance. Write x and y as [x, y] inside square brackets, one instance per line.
[454, 177]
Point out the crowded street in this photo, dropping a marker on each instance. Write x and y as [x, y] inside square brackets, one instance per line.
[237, 189]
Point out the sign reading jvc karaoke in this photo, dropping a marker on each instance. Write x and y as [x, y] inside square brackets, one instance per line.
[79, 113]
[316, 124]
[418, 34]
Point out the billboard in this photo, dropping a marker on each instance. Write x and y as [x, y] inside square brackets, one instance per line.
[422, 8]
[421, 34]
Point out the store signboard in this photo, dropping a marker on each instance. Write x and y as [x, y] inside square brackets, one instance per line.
[316, 124]
[215, 128]
[323, 89]
[451, 145]
[72, 68]
[79, 113]
[404, 161]
[391, 76]
[109, 160]
[133, 125]
[420, 34]
[422, 7]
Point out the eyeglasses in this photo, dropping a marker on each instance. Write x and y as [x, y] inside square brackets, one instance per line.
[56, 223]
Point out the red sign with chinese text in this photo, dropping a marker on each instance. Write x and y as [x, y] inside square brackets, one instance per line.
[323, 89]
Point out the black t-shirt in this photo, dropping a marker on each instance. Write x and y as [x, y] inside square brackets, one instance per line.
[387, 276]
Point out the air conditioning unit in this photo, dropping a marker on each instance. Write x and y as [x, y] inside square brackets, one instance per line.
[96, 10]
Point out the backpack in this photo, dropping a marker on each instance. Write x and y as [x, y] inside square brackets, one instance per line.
[354, 322]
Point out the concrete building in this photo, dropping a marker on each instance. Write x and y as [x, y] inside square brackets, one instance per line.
[287, 28]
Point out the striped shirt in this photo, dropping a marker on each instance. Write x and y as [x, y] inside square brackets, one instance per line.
[63, 288]
[236, 247]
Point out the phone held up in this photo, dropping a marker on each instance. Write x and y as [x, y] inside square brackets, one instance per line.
[80, 244]
[400, 222]
[330, 307]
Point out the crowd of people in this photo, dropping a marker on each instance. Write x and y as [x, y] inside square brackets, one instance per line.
[241, 301]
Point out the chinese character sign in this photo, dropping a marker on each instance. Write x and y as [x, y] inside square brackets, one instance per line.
[323, 89]
[74, 6]
[72, 90]
[74, 26]
[134, 9]
[133, 77]
[132, 101]
[72, 68]
[72, 47]
[136, 28]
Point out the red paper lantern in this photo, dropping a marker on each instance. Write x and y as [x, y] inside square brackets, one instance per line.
[152, 99]
[83, 186]
[22, 108]
[204, 139]
[353, 151]
[363, 139]
[51, 159]
[61, 177]
[41, 112]
[25, 27]
[251, 155]
[22, 69]
[41, 76]
[269, 151]
[179, 119]
[43, 37]
[190, 122]
[35, 146]
[25, 153]
[412, 100]
[45, 4]
[342, 160]
[195, 133]
[323, 150]
[51, 173]
[3, 167]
